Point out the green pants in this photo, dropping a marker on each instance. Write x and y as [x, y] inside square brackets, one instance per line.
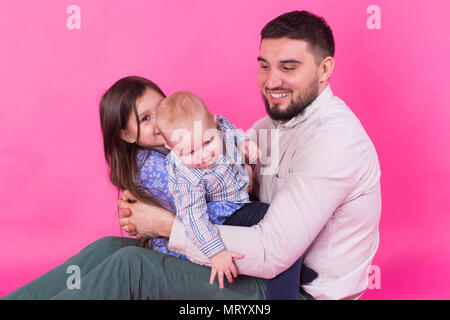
[117, 268]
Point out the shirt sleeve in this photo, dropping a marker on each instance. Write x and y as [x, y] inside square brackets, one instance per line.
[230, 130]
[320, 178]
[192, 212]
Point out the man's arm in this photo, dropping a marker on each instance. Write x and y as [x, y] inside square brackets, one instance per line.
[322, 176]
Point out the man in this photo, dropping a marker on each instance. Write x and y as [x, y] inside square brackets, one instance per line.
[325, 199]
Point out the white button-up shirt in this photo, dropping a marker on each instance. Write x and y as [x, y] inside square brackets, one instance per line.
[321, 175]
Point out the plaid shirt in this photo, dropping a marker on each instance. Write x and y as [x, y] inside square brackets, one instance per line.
[225, 180]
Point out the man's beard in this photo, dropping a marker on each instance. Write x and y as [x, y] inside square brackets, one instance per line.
[297, 106]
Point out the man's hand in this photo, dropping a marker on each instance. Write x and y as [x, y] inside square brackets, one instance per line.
[144, 220]
[222, 263]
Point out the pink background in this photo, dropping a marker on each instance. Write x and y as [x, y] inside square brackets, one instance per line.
[54, 191]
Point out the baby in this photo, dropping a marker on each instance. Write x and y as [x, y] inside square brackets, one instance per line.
[206, 164]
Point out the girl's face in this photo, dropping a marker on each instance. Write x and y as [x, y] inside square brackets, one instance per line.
[149, 135]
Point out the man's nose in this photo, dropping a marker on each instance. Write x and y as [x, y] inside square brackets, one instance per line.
[274, 80]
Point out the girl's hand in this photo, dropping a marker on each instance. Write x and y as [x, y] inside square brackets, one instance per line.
[125, 213]
[222, 263]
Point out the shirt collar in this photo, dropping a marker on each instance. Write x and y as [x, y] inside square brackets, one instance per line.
[324, 96]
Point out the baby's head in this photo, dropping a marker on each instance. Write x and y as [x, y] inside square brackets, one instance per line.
[190, 130]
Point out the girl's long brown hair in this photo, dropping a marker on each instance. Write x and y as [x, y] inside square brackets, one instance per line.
[116, 106]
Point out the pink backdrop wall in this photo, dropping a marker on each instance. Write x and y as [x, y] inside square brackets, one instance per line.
[55, 196]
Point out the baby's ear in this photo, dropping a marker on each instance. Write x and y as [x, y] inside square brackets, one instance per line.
[215, 118]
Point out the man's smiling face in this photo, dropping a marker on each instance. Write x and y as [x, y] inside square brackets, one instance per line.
[288, 77]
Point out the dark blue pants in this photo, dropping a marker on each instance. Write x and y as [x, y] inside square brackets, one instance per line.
[286, 285]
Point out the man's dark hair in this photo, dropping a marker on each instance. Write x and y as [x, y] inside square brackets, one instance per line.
[302, 25]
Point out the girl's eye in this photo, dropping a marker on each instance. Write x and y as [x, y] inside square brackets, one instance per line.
[146, 117]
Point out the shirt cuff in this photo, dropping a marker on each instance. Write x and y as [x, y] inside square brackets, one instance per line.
[213, 247]
[178, 242]
[177, 239]
[240, 137]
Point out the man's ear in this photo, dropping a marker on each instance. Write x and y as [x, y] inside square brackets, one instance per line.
[326, 68]
[125, 135]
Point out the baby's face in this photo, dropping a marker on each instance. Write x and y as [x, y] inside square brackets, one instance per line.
[198, 143]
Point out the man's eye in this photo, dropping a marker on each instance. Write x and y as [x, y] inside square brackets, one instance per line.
[288, 68]
[264, 67]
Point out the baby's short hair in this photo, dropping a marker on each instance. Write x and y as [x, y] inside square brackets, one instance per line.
[180, 106]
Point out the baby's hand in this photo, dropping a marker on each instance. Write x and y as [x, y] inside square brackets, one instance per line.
[250, 150]
[223, 263]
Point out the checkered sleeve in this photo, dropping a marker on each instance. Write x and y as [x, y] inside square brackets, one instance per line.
[230, 130]
[191, 209]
